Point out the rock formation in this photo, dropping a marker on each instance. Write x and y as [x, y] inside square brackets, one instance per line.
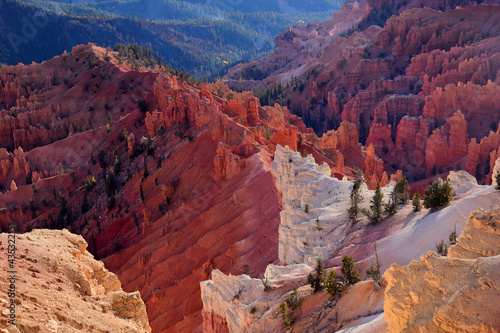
[61, 287]
[467, 280]
[401, 83]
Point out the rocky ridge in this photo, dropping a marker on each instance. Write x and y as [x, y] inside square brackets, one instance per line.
[62, 288]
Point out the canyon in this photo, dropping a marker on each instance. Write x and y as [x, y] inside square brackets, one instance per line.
[420, 84]
[211, 204]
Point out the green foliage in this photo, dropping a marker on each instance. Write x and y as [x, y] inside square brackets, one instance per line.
[437, 194]
[300, 139]
[417, 202]
[333, 285]
[34, 187]
[350, 270]
[136, 54]
[124, 134]
[270, 96]
[318, 225]
[117, 165]
[453, 237]
[497, 178]
[376, 212]
[287, 323]
[356, 199]
[187, 34]
[307, 209]
[402, 191]
[89, 184]
[442, 248]
[317, 277]
[294, 299]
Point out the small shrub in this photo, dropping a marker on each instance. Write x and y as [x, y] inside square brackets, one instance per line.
[318, 225]
[287, 323]
[453, 237]
[300, 139]
[307, 209]
[266, 284]
[350, 270]
[497, 178]
[417, 202]
[442, 248]
[317, 277]
[253, 310]
[294, 299]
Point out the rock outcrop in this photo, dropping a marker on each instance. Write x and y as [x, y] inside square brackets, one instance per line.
[467, 282]
[307, 192]
[63, 288]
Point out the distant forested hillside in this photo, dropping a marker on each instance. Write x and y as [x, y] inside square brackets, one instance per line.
[203, 37]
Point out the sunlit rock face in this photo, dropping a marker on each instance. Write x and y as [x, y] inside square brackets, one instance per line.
[450, 293]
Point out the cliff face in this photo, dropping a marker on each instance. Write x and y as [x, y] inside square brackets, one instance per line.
[399, 81]
[467, 282]
[65, 289]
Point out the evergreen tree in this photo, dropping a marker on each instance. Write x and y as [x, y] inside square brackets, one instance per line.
[402, 191]
[333, 285]
[316, 278]
[437, 194]
[356, 199]
[376, 212]
[350, 270]
[417, 203]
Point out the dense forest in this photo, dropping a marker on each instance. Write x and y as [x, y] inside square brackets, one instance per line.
[201, 37]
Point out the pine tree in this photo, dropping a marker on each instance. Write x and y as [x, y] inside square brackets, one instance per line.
[437, 194]
[350, 270]
[316, 278]
[356, 199]
[376, 212]
[417, 203]
[333, 285]
[402, 191]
